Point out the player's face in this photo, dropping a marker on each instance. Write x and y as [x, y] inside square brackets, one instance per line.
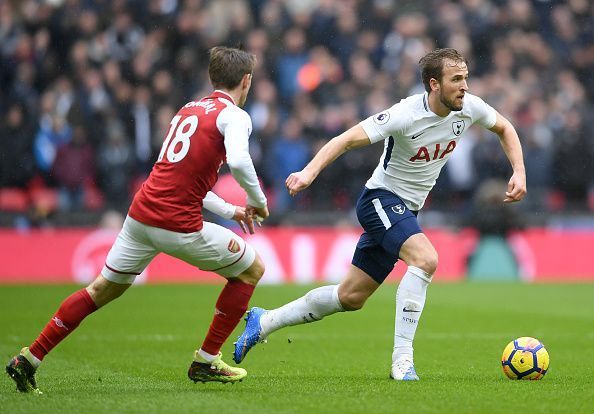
[453, 85]
[246, 85]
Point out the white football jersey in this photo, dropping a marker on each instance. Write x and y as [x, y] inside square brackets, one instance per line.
[417, 143]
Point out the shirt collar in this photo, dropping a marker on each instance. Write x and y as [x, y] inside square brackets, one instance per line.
[222, 94]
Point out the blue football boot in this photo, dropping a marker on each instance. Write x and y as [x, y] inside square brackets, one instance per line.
[250, 336]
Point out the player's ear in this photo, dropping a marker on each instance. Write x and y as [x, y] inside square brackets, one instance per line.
[434, 83]
[247, 80]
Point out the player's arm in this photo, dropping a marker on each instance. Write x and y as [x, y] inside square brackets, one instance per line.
[236, 141]
[355, 137]
[516, 187]
[220, 207]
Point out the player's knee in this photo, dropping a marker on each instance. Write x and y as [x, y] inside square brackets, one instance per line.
[428, 263]
[97, 288]
[254, 273]
[431, 262]
[257, 269]
[103, 291]
[351, 301]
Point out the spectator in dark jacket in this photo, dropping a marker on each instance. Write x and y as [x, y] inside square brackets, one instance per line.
[16, 148]
[73, 170]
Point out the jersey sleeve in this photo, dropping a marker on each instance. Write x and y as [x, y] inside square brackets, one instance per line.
[481, 112]
[217, 205]
[236, 127]
[384, 124]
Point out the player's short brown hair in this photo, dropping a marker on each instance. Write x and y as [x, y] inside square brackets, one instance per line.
[227, 66]
[432, 64]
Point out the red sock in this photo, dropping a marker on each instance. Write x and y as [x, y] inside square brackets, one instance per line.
[231, 306]
[72, 311]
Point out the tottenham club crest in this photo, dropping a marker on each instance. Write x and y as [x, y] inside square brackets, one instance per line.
[458, 127]
[398, 209]
[382, 118]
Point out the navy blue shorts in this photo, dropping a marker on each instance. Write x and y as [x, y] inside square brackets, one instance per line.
[388, 223]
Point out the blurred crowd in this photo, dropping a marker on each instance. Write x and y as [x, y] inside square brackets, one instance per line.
[88, 88]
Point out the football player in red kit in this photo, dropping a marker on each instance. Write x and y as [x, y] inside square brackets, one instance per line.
[166, 216]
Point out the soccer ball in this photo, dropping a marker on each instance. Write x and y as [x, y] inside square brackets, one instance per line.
[525, 358]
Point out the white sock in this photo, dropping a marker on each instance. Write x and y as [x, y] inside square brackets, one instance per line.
[410, 300]
[206, 356]
[311, 307]
[33, 360]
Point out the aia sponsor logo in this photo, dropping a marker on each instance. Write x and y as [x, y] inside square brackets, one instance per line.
[233, 246]
[431, 154]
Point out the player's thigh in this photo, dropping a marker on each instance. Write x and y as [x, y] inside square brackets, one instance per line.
[388, 223]
[130, 254]
[418, 251]
[216, 249]
[386, 219]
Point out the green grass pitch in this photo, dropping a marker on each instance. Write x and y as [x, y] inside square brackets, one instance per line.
[132, 356]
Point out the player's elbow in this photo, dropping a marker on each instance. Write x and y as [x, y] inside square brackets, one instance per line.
[351, 142]
[235, 163]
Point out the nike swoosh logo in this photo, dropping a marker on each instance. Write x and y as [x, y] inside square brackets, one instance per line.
[409, 310]
[417, 136]
[311, 315]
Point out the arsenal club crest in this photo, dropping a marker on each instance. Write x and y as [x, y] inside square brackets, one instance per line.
[233, 246]
[458, 127]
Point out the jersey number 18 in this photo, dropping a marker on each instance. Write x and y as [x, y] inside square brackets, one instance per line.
[182, 133]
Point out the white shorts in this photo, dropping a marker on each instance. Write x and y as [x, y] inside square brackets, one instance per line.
[214, 248]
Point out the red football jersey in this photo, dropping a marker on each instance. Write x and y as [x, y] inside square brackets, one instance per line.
[187, 167]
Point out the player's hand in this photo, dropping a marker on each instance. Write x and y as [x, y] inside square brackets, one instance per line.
[298, 181]
[242, 218]
[516, 188]
[257, 214]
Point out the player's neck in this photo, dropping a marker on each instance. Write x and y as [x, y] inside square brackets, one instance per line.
[437, 107]
[234, 94]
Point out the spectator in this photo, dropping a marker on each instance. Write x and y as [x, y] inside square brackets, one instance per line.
[16, 140]
[289, 152]
[93, 63]
[290, 61]
[573, 160]
[115, 164]
[73, 170]
[54, 132]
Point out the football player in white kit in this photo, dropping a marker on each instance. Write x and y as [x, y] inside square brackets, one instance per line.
[419, 134]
